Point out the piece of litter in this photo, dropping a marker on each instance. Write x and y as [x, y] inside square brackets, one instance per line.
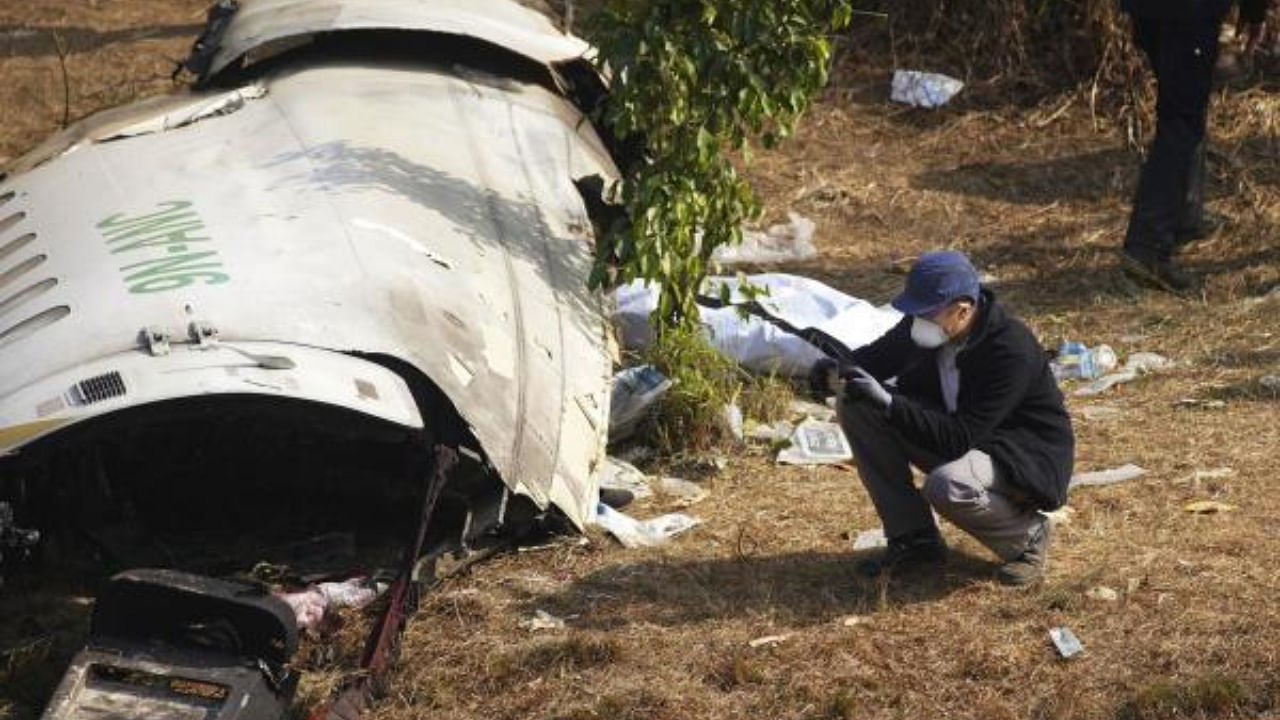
[1094, 413]
[1103, 593]
[1201, 403]
[634, 533]
[1105, 383]
[617, 474]
[921, 89]
[683, 492]
[1108, 477]
[778, 432]
[1132, 585]
[731, 416]
[853, 620]
[1138, 364]
[769, 640]
[1061, 516]
[816, 443]
[310, 605]
[1145, 362]
[1066, 642]
[1208, 507]
[542, 620]
[1215, 474]
[870, 539]
[635, 391]
[786, 242]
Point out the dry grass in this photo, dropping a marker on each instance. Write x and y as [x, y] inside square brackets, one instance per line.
[1038, 195]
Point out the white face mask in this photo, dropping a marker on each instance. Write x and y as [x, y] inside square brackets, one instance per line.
[928, 334]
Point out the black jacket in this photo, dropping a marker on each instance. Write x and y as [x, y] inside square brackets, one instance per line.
[1009, 405]
[1250, 10]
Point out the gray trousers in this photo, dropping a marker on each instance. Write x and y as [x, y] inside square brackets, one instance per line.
[970, 491]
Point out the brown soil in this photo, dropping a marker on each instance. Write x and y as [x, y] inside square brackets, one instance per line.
[1038, 196]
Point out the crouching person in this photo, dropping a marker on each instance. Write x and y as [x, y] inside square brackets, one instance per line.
[975, 407]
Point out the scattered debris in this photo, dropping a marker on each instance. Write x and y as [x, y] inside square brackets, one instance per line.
[1108, 477]
[152, 651]
[779, 432]
[313, 603]
[621, 476]
[1138, 364]
[870, 540]
[1066, 642]
[769, 640]
[731, 415]
[1075, 361]
[1196, 477]
[1208, 507]
[922, 89]
[542, 620]
[817, 411]
[1061, 516]
[635, 391]
[1201, 403]
[786, 242]
[817, 443]
[634, 533]
[685, 493]
[1103, 593]
[1095, 413]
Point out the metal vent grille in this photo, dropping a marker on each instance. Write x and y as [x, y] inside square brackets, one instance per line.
[102, 387]
[32, 324]
[15, 245]
[12, 220]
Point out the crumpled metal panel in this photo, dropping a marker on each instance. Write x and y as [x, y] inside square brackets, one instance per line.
[502, 22]
[425, 214]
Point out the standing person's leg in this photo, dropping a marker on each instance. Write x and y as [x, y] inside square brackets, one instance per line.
[1182, 54]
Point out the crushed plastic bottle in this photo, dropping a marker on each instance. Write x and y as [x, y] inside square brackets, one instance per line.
[1075, 361]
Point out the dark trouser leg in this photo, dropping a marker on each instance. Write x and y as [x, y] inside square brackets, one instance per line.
[884, 462]
[1182, 54]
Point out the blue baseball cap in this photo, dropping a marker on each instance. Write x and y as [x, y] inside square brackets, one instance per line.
[936, 280]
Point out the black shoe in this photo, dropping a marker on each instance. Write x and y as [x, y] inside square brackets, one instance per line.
[907, 553]
[1029, 567]
[1209, 224]
[1162, 274]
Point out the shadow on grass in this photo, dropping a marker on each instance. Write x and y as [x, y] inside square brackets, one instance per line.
[795, 588]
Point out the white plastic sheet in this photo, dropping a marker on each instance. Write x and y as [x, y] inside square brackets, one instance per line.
[634, 533]
[755, 343]
[922, 89]
[787, 242]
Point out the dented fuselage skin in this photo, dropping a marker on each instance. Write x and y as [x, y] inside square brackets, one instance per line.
[325, 229]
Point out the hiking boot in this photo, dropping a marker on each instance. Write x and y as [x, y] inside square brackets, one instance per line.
[1029, 567]
[911, 552]
[1162, 274]
[1208, 225]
